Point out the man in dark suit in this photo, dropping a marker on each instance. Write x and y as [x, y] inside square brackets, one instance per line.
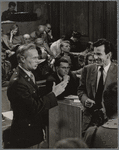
[7, 14]
[63, 73]
[88, 89]
[27, 104]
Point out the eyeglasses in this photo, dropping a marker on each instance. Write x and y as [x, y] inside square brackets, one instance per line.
[64, 68]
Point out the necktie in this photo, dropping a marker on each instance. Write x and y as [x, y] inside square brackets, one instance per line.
[98, 96]
[32, 77]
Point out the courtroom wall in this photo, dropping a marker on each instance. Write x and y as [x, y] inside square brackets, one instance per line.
[94, 19]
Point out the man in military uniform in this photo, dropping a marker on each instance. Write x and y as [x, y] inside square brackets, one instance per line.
[27, 104]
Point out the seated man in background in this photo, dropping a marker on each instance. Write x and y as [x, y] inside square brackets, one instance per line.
[27, 39]
[49, 33]
[26, 101]
[39, 42]
[40, 33]
[63, 73]
[106, 136]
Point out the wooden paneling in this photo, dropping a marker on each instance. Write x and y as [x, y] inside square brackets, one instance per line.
[74, 17]
[111, 21]
[94, 19]
[97, 20]
[65, 120]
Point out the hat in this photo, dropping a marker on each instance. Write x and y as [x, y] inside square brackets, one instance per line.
[76, 34]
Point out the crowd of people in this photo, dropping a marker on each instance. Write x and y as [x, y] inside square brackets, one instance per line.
[91, 75]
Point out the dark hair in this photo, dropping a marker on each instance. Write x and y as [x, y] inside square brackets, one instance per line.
[12, 28]
[87, 56]
[11, 4]
[71, 143]
[89, 44]
[76, 34]
[39, 50]
[59, 60]
[110, 99]
[108, 45]
[24, 48]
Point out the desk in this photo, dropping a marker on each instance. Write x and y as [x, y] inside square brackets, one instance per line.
[65, 120]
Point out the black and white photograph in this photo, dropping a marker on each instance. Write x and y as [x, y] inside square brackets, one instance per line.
[59, 74]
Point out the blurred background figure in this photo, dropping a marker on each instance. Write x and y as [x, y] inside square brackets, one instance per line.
[14, 40]
[65, 52]
[11, 10]
[71, 143]
[106, 136]
[27, 38]
[6, 70]
[75, 42]
[83, 61]
[55, 46]
[48, 31]
[89, 59]
[39, 42]
[89, 48]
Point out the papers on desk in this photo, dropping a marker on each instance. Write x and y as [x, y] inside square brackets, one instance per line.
[8, 114]
[73, 97]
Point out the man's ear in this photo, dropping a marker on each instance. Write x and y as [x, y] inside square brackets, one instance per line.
[22, 59]
[109, 55]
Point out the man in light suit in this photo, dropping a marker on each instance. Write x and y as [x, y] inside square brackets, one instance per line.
[26, 101]
[90, 78]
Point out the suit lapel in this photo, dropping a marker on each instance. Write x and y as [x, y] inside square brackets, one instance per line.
[94, 79]
[111, 75]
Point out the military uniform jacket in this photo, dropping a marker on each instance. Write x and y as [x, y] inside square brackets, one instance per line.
[28, 107]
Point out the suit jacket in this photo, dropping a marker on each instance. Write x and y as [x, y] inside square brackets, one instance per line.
[71, 88]
[88, 83]
[28, 108]
[6, 15]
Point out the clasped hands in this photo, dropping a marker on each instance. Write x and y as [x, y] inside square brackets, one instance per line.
[59, 88]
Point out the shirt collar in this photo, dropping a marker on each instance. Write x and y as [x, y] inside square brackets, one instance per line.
[106, 67]
[26, 71]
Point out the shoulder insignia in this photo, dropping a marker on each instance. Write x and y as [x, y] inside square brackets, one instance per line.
[15, 79]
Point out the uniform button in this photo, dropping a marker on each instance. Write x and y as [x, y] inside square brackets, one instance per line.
[29, 124]
[33, 91]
